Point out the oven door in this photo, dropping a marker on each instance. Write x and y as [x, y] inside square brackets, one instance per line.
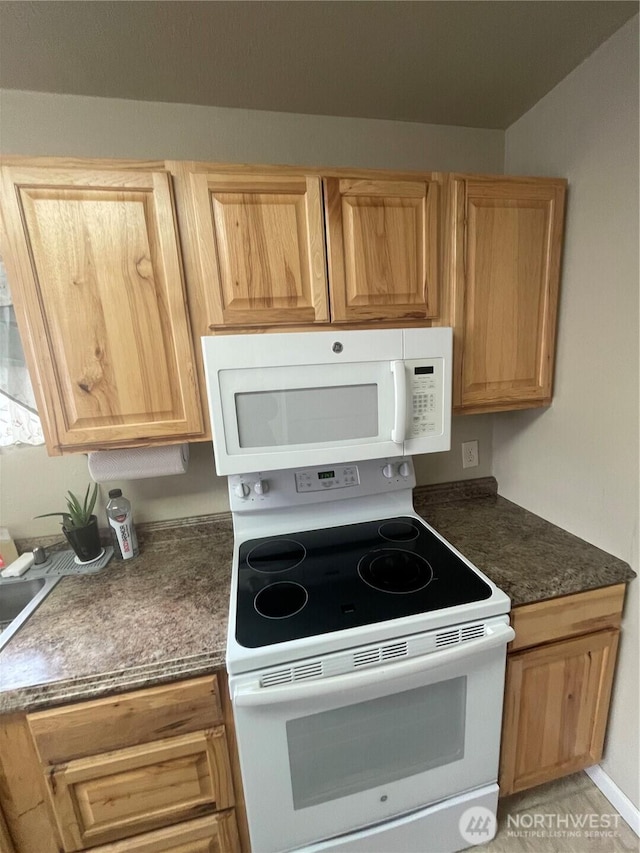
[329, 756]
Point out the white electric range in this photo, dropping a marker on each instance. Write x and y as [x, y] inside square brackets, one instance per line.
[366, 660]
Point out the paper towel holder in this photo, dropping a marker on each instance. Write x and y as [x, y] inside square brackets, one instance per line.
[138, 463]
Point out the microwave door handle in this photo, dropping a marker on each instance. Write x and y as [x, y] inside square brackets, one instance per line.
[498, 635]
[399, 431]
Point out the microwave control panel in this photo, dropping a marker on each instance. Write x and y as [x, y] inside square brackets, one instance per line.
[425, 393]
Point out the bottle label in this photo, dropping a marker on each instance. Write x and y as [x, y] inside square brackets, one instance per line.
[124, 535]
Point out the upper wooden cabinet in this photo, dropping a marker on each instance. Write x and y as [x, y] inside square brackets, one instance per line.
[94, 264]
[259, 242]
[112, 303]
[383, 249]
[286, 247]
[503, 268]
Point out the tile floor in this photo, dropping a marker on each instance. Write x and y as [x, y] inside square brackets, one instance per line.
[558, 808]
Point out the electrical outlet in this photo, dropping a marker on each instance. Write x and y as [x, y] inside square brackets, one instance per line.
[470, 454]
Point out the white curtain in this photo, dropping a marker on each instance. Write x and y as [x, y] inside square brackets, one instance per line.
[19, 421]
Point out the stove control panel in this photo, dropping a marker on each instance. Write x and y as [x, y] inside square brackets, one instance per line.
[315, 488]
[335, 477]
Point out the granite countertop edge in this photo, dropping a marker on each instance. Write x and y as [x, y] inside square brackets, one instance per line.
[462, 512]
[42, 696]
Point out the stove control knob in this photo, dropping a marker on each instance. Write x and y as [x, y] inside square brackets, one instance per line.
[261, 487]
[241, 490]
[388, 471]
[405, 469]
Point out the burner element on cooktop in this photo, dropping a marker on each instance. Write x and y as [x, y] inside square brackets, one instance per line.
[276, 555]
[395, 570]
[280, 600]
[399, 531]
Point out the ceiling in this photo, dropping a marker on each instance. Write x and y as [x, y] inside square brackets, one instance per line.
[475, 64]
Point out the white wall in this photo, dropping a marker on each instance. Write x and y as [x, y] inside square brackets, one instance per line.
[34, 123]
[577, 463]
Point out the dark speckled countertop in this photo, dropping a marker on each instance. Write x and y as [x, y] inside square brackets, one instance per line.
[164, 615]
[526, 556]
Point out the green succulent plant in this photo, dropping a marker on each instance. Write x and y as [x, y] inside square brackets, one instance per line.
[78, 514]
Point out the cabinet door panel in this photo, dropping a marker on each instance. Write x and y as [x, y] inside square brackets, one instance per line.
[556, 705]
[100, 300]
[117, 794]
[507, 262]
[383, 249]
[260, 245]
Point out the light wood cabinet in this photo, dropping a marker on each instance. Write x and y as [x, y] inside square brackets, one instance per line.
[96, 252]
[95, 269]
[259, 244]
[559, 675]
[148, 770]
[289, 248]
[383, 248]
[212, 834]
[117, 794]
[504, 241]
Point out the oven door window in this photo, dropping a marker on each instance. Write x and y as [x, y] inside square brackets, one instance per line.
[357, 747]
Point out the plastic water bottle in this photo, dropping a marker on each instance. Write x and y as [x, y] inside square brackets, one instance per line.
[123, 533]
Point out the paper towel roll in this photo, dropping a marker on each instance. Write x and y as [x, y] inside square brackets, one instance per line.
[138, 463]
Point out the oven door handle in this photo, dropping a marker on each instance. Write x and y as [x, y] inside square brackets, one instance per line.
[497, 635]
[399, 431]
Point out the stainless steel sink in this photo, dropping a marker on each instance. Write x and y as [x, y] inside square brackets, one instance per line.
[18, 600]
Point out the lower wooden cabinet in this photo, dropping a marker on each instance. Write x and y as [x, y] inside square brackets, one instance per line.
[150, 770]
[121, 793]
[558, 688]
[216, 833]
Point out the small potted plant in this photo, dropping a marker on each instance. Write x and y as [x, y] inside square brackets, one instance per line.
[80, 526]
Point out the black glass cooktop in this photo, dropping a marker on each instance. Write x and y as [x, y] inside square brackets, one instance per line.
[318, 581]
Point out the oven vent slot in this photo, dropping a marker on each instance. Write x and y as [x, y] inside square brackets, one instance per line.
[472, 632]
[447, 638]
[282, 676]
[307, 670]
[459, 635]
[292, 673]
[396, 650]
[365, 657]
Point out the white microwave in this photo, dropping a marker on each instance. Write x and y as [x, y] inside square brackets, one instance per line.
[288, 400]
